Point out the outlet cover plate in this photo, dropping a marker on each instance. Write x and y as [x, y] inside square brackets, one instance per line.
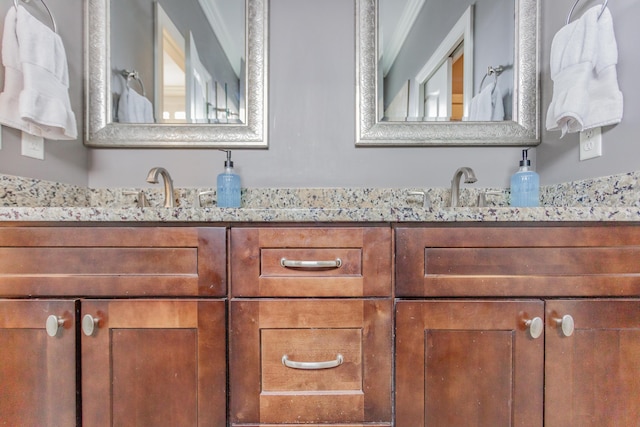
[32, 146]
[590, 143]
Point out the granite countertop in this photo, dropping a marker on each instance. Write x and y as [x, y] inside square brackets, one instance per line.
[611, 198]
[177, 215]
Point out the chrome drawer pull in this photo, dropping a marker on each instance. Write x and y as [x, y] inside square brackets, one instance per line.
[291, 263]
[312, 365]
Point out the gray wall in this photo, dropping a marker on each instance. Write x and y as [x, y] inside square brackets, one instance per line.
[312, 123]
[558, 159]
[65, 161]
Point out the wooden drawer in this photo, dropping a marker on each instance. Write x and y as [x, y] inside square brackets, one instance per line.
[112, 261]
[337, 355]
[546, 260]
[333, 261]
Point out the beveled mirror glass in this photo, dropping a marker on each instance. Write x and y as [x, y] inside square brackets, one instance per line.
[190, 97]
[392, 110]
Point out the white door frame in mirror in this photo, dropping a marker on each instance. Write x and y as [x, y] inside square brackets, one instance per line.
[523, 130]
[101, 132]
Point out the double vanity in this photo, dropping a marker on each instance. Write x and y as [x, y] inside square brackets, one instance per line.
[374, 315]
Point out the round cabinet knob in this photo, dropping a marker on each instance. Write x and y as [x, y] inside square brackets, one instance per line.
[566, 324]
[536, 326]
[53, 325]
[89, 324]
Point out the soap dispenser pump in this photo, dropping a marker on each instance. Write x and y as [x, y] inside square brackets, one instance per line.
[525, 184]
[228, 185]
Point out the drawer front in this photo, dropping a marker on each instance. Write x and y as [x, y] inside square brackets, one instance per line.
[112, 261]
[310, 361]
[305, 360]
[327, 261]
[518, 261]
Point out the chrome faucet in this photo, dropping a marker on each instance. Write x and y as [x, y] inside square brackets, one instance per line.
[469, 177]
[152, 178]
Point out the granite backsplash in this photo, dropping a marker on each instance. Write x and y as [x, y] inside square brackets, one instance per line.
[620, 190]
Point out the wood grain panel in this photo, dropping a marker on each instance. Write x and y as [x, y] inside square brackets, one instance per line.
[467, 377]
[99, 261]
[547, 260]
[112, 261]
[154, 377]
[311, 345]
[531, 261]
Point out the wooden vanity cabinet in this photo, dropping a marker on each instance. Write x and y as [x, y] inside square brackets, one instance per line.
[310, 340]
[544, 328]
[131, 350]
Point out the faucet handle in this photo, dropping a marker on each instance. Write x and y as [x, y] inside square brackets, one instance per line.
[482, 197]
[426, 203]
[203, 193]
[141, 198]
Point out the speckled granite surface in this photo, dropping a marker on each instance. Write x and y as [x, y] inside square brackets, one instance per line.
[613, 198]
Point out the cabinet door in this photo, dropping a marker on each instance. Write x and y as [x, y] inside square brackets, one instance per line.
[592, 375]
[153, 363]
[37, 371]
[468, 363]
[310, 361]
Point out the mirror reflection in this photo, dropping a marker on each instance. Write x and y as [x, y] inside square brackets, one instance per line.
[511, 49]
[177, 62]
[446, 60]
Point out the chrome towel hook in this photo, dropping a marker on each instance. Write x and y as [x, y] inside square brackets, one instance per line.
[491, 71]
[604, 5]
[53, 21]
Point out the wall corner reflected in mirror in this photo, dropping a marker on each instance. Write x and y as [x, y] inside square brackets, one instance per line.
[423, 78]
[182, 74]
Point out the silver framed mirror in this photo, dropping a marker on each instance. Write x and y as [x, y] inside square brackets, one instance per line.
[102, 131]
[520, 129]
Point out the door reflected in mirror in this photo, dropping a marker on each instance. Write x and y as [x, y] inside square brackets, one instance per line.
[434, 54]
[170, 69]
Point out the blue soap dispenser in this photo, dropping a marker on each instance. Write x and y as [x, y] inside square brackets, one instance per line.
[525, 184]
[228, 189]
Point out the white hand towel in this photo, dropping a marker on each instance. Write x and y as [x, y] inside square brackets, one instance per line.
[134, 108]
[13, 78]
[584, 55]
[487, 105]
[35, 97]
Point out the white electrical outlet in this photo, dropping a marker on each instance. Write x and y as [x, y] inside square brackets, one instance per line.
[32, 146]
[590, 143]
